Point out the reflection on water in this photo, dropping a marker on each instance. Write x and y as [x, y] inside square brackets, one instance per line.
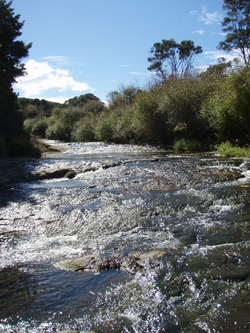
[146, 201]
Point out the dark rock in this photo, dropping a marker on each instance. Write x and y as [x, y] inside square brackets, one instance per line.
[130, 263]
[231, 273]
[228, 175]
[48, 174]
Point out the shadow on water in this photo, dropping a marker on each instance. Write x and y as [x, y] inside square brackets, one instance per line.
[12, 172]
[43, 293]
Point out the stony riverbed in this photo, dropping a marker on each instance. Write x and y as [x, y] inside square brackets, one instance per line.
[123, 238]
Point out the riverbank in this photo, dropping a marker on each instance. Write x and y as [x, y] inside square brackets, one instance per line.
[47, 146]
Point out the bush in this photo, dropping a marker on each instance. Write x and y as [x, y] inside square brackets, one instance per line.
[182, 100]
[226, 149]
[84, 130]
[103, 129]
[39, 128]
[227, 109]
[59, 131]
[184, 145]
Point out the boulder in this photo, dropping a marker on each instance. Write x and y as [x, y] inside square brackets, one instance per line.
[50, 174]
[129, 262]
[223, 175]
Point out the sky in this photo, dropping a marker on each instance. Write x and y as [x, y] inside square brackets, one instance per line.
[98, 46]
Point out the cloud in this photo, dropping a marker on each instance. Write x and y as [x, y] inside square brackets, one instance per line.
[42, 77]
[62, 60]
[139, 73]
[213, 56]
[201, 32]
[209, 18]
[58, 99]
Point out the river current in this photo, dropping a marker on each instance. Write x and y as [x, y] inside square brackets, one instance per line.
[186, 217]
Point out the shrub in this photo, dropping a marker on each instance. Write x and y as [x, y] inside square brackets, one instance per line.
[226, 149]
[39, 128]
[182, 100]
[84, 130]
[227, 109]
[59, 131]
[103, 129]
[184, 145]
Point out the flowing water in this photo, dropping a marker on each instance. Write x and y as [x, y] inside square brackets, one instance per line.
[126, 200]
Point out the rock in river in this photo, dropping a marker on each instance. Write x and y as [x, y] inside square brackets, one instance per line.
[129, 262]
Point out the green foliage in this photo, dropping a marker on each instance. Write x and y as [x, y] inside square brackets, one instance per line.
[171, 58]
[94, 107]
[226, 149]
[104, 129]
[184, 145]
[182, 101]
[59, 131]
[12, 51]
[227, 109]
[81, 100]
[191, 113]
[122, 97]
[237, 28]
[32, 108]
[151, 122]
[39, 128]
[84, 130]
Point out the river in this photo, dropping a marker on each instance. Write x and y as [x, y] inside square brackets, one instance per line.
[183, 219]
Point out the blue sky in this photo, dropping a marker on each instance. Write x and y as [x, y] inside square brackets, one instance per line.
[95, 46]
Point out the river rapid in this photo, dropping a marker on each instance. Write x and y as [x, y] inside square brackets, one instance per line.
[185, 218]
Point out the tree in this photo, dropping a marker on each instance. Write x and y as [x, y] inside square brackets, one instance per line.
[12, 51]
[237, 28]
[81, 100]
[172, 58]
[122, 98]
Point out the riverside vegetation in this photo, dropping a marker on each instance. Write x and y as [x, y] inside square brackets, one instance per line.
[183, 110]
[192, 113]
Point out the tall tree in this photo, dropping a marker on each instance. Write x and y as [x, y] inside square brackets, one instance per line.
[171, 58]
[237, 28]
[12, 51]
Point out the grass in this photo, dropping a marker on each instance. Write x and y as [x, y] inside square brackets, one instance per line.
[184, 145]
[226, 149]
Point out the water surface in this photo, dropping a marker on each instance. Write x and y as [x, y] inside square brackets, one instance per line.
[126, 199]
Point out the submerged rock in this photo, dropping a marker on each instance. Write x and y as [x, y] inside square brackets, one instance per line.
[223, 175]
[51, 174]
[130, 263]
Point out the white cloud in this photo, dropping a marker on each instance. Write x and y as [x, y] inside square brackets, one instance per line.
[201, 32]
[213, 56]
[57, 99]
[209, 18]
[42, 77]
[138, 73]
[62, 60]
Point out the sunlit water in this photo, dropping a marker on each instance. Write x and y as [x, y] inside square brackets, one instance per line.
[126, 199]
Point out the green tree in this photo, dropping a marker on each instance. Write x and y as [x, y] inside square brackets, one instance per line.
[81, 100]
[171, 58]
[122, 98]
[12, 51]
[237, 28]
